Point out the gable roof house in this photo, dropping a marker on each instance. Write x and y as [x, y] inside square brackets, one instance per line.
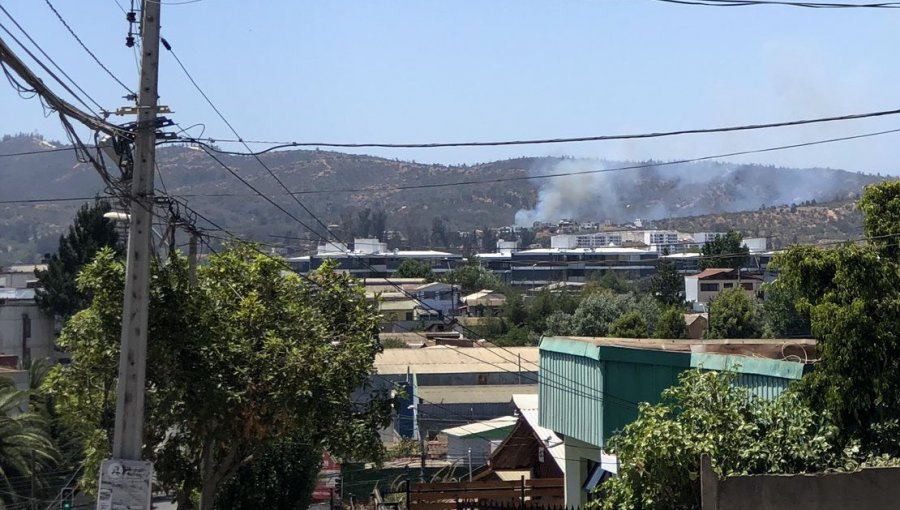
[703, 287]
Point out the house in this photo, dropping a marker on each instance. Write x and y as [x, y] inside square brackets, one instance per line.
[21, 276]
[590, 388]
[26, 331]
[703, 287]
[436, 300]
[696, 324]
[484, 303]
[471, 444]
[446, 383]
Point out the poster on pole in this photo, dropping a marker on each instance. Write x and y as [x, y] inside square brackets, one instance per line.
[125, 485]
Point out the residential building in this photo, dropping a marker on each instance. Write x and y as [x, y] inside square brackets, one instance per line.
[446, 384]
[484, 303]
[437, 300]
[696, 324]
[703, 287]
[590, 387]
[21, 276]
[26, 331]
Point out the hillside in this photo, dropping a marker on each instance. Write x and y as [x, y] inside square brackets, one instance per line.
[654, 192]
[818, 223]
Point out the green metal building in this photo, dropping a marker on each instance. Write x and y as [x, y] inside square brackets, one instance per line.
[590, 387]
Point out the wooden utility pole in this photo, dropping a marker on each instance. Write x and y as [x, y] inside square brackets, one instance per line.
[129, 426]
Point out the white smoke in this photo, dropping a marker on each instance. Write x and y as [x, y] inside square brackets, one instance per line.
[657, 191]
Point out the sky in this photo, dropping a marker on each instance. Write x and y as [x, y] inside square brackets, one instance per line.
[437, 71]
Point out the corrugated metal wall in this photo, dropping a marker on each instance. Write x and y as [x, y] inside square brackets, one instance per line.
[571, 408]
[628, 384]
[763, 386]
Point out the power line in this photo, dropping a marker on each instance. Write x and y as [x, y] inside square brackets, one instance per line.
[567, 174]
[46, 69]
[84, 46]
[597, 138]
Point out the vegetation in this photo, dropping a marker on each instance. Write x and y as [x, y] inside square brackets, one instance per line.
[88, 234]
[671, 324]
[630, 324]
[472, 277]
[410, 268]
[393, 342]
[734, 314]
[667, 285]
[724, 250]
[279, 356]
[852, 296]
[26, 448]
[707, 414]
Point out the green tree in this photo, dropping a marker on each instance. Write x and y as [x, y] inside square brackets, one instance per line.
[472, 277]
[707, 413]
[283, 478]
[610, 280]
[734, 314]
[515, 311]
[671, 324]
[248, 357]
[782, 318]
[667, 285]
[598, 310]
[725, 250]
[26, 447]
[630, 324]
[852, 296]
[410, 268]
[88, 234]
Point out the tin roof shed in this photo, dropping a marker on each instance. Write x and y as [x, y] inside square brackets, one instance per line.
[591, 387]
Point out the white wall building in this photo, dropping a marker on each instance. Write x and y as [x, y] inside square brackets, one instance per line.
[25, 330]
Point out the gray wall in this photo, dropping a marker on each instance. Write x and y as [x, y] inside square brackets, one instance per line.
[872, 489]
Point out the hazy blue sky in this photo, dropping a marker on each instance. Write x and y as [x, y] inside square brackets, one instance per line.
[422, 71]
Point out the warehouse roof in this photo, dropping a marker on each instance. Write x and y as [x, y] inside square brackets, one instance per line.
[457, 360]
[496, 428]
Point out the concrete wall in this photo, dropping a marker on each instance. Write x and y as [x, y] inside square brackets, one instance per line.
[872, 489]
[41, 343]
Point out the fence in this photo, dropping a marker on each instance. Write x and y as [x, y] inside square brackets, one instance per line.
[538, 494]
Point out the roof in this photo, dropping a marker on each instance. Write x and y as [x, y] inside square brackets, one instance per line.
[528, 410]
[397, 304]
[488, 297]
[783, 358]
[434, 285]
[721, 273]
[25, 268]
[690, 318]
[16, 294]
[457, 360]
[496, 428]
[468, 394]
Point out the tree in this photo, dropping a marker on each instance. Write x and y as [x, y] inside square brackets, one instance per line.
[439, 236]
[89, 233]
[671, 324]
[472, 277]
[726, 250]
[488, 240]
[515, 311]
[283, 478]
[707, 413]
[782, 318]
[734, 314]
[630, 324]
[26, 448]
[667, 285]
[852, 296]
[411, 268]
[248, 357]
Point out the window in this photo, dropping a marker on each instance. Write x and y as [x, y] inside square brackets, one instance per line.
[709, 287]
[747, 286]
[727, 285]
[429, 294]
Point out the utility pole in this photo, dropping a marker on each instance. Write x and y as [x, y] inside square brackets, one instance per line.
[129, 425]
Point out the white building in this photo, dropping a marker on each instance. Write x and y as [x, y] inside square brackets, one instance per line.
[437, 299]
[20, 277]
[701, 288]
[25, 330]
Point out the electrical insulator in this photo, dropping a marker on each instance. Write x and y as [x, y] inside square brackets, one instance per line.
[129, 41]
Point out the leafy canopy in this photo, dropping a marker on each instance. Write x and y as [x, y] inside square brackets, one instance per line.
[734, 314]
[725, 250]
[250, 356]
[708, 414]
